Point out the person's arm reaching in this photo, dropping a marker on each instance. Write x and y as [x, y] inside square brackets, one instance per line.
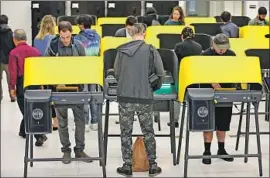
[158, 64]
[12, 67]
[117, 66]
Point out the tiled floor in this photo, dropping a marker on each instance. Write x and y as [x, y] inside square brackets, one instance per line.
[12, 151]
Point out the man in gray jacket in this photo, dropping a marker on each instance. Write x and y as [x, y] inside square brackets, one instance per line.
[125, 32]
[260, 20]
[135, 64]
[65, 45]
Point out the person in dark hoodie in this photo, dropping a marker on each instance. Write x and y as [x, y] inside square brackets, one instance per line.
[135, 64]
[6, 45]
[151, 17]
[91, 43]
[65, 45]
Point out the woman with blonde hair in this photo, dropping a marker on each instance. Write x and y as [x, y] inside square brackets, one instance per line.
[41, 41]
[177, 17]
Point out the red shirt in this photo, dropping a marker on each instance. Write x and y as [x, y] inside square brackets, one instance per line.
[16, 61]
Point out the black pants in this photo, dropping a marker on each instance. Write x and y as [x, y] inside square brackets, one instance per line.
[20, 101]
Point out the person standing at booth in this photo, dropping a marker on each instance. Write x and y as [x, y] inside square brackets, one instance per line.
[133, 71]
[65, 45]
[223, 115]
[16, 68]
[229, 28]
[6, 45]
[260, 20]
[125, 32]
[177, 17]
[91, 43]
[187, 47]
[41, 42]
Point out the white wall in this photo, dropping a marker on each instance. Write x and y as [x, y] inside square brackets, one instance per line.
[251, 13]
[19, 14]
[234, 7]
[266, 5]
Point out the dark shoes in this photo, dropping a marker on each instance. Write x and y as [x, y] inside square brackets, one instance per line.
[220, 152]
[22, 134]
[40, 140]
[176, 124]
[126, 170]
[67, 157]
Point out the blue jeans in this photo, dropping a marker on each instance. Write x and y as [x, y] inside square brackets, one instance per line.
[93, 107]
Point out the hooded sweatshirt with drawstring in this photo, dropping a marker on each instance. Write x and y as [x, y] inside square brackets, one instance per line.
[6, 43]
[90, 41]
[132, 72]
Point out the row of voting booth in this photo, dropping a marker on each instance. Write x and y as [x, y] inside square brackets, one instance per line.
[250, 68]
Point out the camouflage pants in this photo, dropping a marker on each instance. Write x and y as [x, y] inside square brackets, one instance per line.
[126, 118]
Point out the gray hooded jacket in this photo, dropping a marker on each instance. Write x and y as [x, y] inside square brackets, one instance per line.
[132, 72]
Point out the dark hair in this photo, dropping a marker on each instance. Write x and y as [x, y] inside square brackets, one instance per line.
[131, 20]
[85, 20]
[151, 10]
[262, 11]
[225, 16]
[3, 19]
[181, 12]
[187, 32]
[64, 26]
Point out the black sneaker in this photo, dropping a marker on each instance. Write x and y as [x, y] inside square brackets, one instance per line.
[41, 140]
[22, 134]
[176, 124]
[154, 170]
[207, 160]
[223, 152]
[66, 155]
[125, 170]
[82, 154]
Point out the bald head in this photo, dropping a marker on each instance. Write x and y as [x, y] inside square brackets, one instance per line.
[19, 35]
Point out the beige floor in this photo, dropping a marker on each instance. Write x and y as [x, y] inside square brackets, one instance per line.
[12, 151]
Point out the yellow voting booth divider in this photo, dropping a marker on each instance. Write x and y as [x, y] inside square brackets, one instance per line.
[254, 32]
[239, 45]
[66, 70]
[153, 31]
[76, 29]
[190, 20]
[111, 20]
[225, 69]
[112, 43]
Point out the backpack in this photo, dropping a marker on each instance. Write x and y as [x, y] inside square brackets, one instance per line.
[154, 80]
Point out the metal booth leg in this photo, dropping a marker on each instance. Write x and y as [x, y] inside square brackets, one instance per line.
[239, 126]
[26, 156]
[101, 142]
[181, 134]
[31, 149]
[267, 107]
[172, 132]
[256, 108]
[186, 149]
[247, 132]
[106, 129]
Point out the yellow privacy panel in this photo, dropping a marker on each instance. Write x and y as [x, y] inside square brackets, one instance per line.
[254, 31]
[76, 29]
[153, 41]
[63, 70]
[111, 20]
[214, 69]
[112, 43]
[239, 45]
[190, 20]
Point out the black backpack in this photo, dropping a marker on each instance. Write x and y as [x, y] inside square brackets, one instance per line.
[154, 80]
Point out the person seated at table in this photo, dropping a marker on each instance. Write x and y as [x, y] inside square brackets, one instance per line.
[223, 115]
[260, 20]
[125, 32]
[177, 17]
[229, 28]
[187, 47]
[151, 17]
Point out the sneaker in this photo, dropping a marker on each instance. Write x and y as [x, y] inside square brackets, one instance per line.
[82, 154]
[41, 140]
[87, 128]
[207, 160]
[22, 134]
[66, 155]
[154, 170]
[176, 124]
[223, 152]
[125, 170]
[94, 126]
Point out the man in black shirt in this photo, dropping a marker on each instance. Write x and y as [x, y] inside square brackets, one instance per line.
[223, 115]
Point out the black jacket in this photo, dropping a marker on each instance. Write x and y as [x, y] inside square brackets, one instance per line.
[186, 48]
[132, 72]
[6, 43]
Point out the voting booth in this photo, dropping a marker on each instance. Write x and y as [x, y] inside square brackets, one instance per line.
[67, 71]
[197, 70]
